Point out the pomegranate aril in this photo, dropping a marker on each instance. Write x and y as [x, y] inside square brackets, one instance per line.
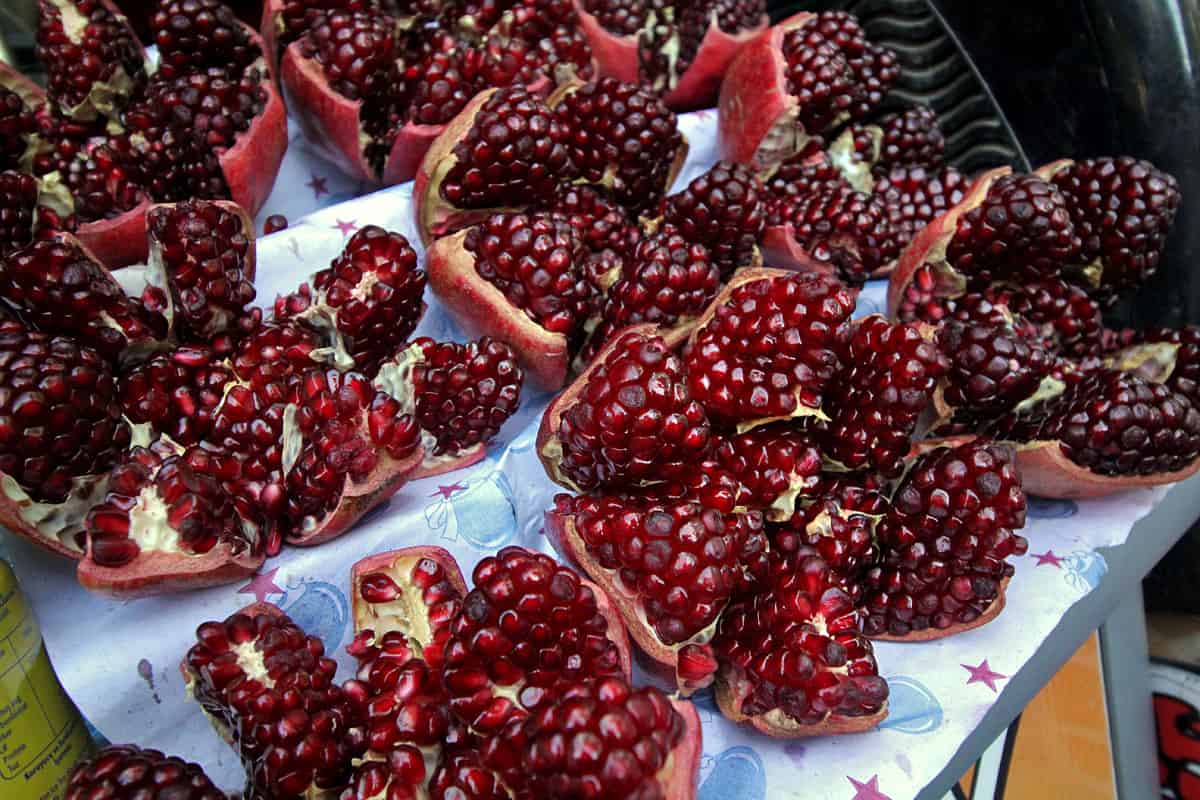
[89, 61]
[195, 34]
[355, 49]
[130, 771]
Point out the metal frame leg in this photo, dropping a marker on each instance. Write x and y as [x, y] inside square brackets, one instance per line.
[1124, 656]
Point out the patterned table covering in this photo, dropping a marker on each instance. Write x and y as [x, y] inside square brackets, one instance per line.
[119, 660]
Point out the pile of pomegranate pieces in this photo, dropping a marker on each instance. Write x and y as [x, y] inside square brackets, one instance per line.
[167, 436]
[762, 483]
[517, 689]
[110, 135]
[379, 80]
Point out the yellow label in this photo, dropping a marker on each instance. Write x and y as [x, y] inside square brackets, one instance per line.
[42, 735]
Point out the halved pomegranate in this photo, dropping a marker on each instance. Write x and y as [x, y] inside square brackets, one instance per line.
[798, 80]
[522, 278]
[670, 567]
[629, 419]
[209, 124]
[166, 523]
[774, 464]
[794, 661]
[1102, 431]
[680, 49]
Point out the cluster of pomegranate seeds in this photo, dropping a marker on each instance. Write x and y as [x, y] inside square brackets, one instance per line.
[1122, 209]
[130, 771]
[193, 34]
[668, 279]
[890, 374]
[17, 124]
[912, 138]
[724, 210]
[57, 287]
[839, 522]
[60, 419]
[604, 733]
[529, 630]
[89, 51]
[355, 49]
[1022, 230]
[849, 231]
[679, 559]
[635, 420]
[368, 300]
[773, 464]
[946, 543]
[18, 210]
[623, 134]
[207, 248]
[463, 393]
[537, 261]
[1115, 423]
[156, 487]
[769, 349]
[214, 103]
[796, 648]
[915, 196]
[516, 148]
[992, 368]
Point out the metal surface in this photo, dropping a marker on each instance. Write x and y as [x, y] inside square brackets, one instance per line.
[1124, 654]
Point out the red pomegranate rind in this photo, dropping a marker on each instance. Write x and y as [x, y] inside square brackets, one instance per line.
[699, 85]
[250, 166]
[616, 56]
[328, 116]
[1046, 471]
[757, 114]
[480, 308]
[929, 246]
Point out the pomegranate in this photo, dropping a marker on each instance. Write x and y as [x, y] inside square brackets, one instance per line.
[629, 419]
[767, 348]
[946, 544]
[63, 431]
[128, 771]
[607, 133]
[379, 87]
[794, 661]
[109, 140]
[524, 279]
[773, 464]
[800, 79]
[166, 522]
[269, 691]
[669, 566]
[459, 394]
[1122, 209]
[366, 304]
[1101, 431]
[724, 210]
[680, 49]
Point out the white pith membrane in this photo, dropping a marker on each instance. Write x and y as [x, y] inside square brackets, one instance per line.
[57, 521]
[322, 318]
[802, 411]
[784, 140]
[854, 168]
[250, 659]
[395, 378]
[1154, 361]
[407, 614]
[669, 49]
[104, 98]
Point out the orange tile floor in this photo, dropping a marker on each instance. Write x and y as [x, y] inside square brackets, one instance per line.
[1061, 748]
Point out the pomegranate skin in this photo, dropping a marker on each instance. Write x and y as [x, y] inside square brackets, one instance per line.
[1047, 472]
[757, 114]
[700, 84]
